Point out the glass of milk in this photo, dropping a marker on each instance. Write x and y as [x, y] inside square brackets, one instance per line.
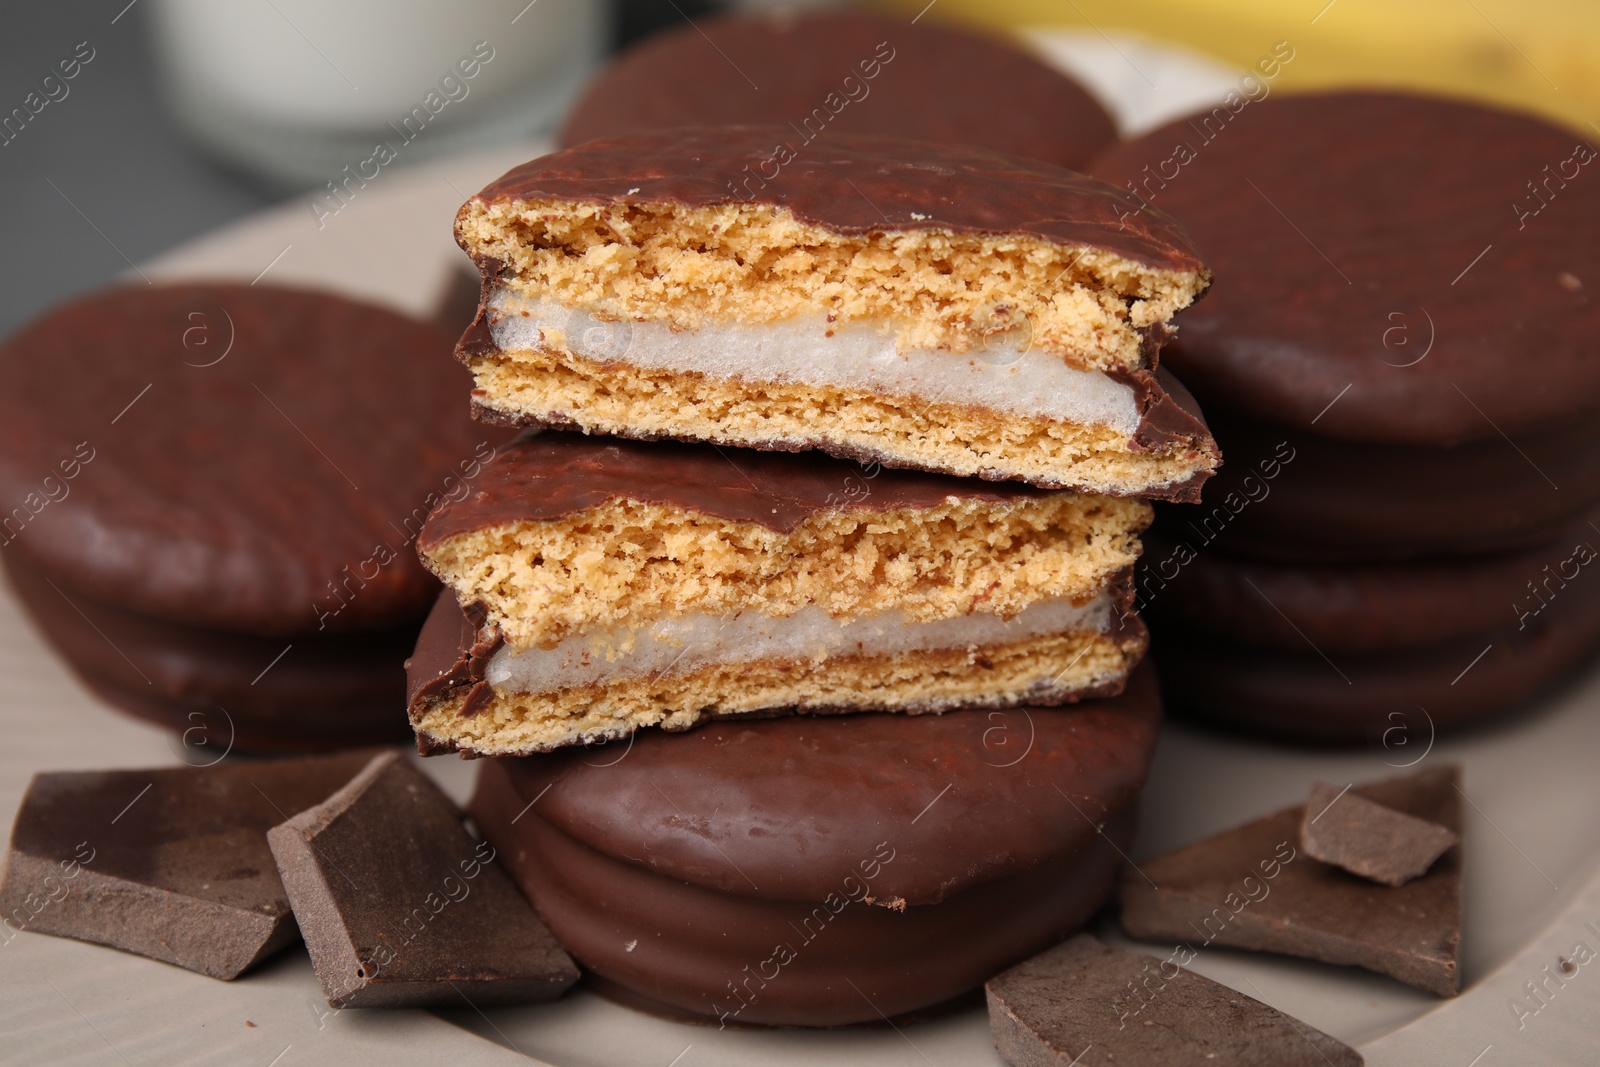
[295, 91]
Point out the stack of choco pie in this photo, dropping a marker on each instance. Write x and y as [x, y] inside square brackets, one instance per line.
[1399, 360]
[210, 545]
[862, 441]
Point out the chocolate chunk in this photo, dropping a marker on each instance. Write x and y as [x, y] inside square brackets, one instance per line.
[1084, 1003]
[400, 907]
[1251, 887]
[170, 863]
[1369, 839]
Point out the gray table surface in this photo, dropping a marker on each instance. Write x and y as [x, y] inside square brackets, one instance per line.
[101, 178]
[104, 178]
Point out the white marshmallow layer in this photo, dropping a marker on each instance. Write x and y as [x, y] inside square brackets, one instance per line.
[806, 350]
[810, 634]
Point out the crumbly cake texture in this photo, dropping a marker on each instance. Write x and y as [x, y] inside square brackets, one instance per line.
[554, 387]
[690, 266]
[954, 257]
[626, 562]
[1047, 670]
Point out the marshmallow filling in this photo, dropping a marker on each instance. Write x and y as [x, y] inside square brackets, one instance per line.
[1008, 375]
[686, 642]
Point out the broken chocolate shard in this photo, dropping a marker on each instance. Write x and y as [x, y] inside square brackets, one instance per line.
[400, 906]
[1084, 1003]
[1253, 887]
[1369, 839]
[169, 863]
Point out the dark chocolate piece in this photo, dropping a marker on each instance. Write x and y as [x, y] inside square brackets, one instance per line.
[855, 185]
[832, 72]
[1435, 287]
[553, 475]
[1252, 887]
[1366, 838]
[1086, 1003]
[170, 863]
[249, 459]
[400, 907]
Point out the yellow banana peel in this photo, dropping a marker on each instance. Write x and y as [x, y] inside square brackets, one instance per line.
[1536, 55]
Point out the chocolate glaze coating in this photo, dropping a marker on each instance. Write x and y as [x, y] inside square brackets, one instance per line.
[215, 687]
[1371, 607]
[690, 948]
[1168, 414]
[550, 476]
[247, 444]
[451, 651]
[940, 83]
[1388, 240]
[1345, 500]
[854, 185]
[783, 809]
[1299, 696]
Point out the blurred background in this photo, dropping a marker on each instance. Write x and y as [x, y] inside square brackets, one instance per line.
[128, 127]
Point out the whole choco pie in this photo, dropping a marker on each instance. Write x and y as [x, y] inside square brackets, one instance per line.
[823, 871]
[208, 498]
[1398, 359]
[837, 72]
[1396, 318]
[1478, 221]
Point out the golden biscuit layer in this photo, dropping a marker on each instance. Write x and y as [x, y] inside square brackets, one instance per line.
[625, 563]
[757, 263]
[555, 387]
